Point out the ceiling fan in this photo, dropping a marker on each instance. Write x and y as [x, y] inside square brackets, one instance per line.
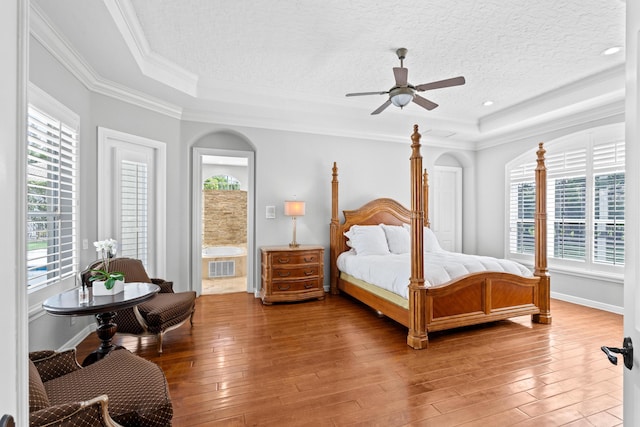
[403, 92]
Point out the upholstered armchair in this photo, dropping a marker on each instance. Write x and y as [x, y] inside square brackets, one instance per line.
[121, 389]
[164, 312]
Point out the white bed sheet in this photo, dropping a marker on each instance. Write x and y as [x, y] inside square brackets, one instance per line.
[392, 272]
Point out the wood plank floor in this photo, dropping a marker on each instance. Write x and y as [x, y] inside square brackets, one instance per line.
[334, 363]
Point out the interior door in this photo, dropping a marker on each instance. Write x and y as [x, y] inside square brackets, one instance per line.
[632, 210]
[447, 206]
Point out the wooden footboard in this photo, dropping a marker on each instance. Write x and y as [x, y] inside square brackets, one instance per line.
[479, 298]
[474, 299]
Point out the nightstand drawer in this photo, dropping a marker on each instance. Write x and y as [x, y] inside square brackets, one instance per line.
[295, 285]
[295, 272]
[288, 258]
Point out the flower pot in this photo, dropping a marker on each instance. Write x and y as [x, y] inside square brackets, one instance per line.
[99, 288]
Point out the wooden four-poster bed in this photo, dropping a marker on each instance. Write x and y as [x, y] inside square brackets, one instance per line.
[474, 298]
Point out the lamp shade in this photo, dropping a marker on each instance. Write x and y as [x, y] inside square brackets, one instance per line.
[293, 208]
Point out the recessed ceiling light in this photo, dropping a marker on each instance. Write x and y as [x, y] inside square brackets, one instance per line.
[612, 50]
[487, 103]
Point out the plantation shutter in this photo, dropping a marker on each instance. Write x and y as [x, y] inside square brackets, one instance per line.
[134, 182]
[51, 198]
[609, 183]
[566, 204]
[522, 209]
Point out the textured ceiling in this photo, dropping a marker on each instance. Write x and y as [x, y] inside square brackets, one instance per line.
[251, 52]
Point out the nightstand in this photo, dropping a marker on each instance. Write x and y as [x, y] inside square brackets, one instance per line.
[292, 274]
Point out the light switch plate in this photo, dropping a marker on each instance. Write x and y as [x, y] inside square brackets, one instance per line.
[271, 212]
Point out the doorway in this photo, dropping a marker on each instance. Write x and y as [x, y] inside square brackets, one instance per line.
[447, 212]
[222, 221]
[224, 224]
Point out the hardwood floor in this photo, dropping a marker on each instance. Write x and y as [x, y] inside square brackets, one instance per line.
[334, 363]
[225, 285]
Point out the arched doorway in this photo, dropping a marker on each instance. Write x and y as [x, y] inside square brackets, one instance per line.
[222, 214]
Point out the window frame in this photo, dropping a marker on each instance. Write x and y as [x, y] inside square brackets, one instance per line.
[48, 105]
[588, 140]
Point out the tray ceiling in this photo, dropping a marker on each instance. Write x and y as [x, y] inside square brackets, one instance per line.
[235, 58]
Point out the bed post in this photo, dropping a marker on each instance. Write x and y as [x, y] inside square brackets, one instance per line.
[417, 336]
[425, 189]
[540, 243]
[334, 237]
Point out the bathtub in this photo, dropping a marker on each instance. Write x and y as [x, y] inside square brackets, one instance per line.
[222, 251]
[224, 261]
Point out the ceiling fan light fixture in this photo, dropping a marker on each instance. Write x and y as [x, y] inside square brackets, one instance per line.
[401, 96]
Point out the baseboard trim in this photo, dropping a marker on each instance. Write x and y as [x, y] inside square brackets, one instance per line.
[78, 338]
[588, 303]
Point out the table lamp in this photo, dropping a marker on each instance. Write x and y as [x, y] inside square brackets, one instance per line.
[294, 208]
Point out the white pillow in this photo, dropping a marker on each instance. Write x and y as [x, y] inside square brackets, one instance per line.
[431, 243]
[398, 238]
[367, 240]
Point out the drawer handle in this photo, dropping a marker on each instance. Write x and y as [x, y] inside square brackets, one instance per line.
[283, 260]
[286, 274]
[309, 259]
[309, 273]
[284, 287]
[308, 285]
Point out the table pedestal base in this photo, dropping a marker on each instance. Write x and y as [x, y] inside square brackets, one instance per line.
[105, 331]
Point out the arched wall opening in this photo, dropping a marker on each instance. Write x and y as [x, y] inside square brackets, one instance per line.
[223, 213]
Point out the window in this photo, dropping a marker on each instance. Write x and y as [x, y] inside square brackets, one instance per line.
[52, 181]
[221, 182]
[585, 201]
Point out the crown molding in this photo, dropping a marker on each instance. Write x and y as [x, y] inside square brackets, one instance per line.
[587, 95]
[327, 122]
[151, 64]
[43, 31]
[612, 111]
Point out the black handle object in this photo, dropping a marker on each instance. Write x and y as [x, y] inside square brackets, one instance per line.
[626, 351]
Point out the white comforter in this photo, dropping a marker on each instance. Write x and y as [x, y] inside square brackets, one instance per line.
[392, 272]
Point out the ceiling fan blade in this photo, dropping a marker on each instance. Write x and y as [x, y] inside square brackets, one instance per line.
[367, 93]
[400, 75]
[382, 107]
[424, 103]
[456, 81]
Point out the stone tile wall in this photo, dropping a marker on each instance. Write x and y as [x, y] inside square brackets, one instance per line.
[224, 218]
